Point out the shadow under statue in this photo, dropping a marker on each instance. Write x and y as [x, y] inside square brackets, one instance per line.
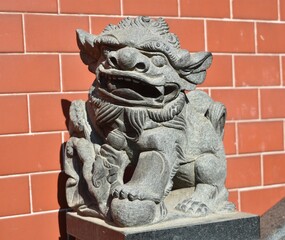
[144, 113]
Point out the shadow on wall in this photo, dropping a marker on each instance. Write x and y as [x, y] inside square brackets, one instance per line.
[62, 178]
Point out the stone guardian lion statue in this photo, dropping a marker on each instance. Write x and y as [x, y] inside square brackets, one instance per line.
[144, 119]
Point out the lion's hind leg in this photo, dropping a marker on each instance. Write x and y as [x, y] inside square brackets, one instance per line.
[210, 194]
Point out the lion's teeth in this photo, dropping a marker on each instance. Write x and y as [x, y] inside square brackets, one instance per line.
[127, 79]
[160, 89]
[135, 81]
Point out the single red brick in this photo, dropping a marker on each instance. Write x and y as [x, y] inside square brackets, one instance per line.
[29, 6]
[233, 197]
[230, 138]
[243, 172]
[240, 103]
[205, 8]
[38, 226]
[14, 118]
[270, 37]
[150, 8]
[260, 136]
[271, 103]
[15, 196]
[257, 70]
[260, 200]
[189, 32]
[50, 111]
[29, 73]
[75, 74]
[53, 33]
[49, 200]
[11, 37]
[220, 72]
[31, 153]
[99, 23]
[254, 9]
[230, 36]
[274, 166]
[91, 6]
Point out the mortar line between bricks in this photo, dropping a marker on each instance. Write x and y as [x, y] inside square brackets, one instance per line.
[243, 155]
[24, 33]
[30, 174]
[239, 201]
[122, 7]
[255, 120]
[152, 16]
[233, 72]
[231, 9]
[44, 93]
[284, 135]
[32, 214]
[58, 93]
[244, 87]
[178, 8]
[58, 6]
[30, 134]
[281, 71]
[31, 194]
[244, 189]
[12, 94]
[252, 54]
[205, 36]
[278, 10]
[29, 113]
[237, 138]
[60, 73]
[39, 53]
[255, 154]
[259, 103]
[255, 38]
[262, 169]
[89, 25]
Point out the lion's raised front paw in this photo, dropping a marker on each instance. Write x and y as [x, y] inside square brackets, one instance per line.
[194, 208]
[125, 191]
[134, 192]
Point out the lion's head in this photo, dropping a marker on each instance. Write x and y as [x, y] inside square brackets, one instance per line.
[140, 63]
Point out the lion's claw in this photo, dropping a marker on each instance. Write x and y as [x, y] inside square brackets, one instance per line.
[194, 208]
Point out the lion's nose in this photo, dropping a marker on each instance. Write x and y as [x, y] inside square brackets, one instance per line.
[128, 59]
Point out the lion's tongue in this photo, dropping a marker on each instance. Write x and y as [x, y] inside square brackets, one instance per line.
[127, 94]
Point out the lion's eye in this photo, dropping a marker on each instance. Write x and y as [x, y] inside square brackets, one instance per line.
[158, 61]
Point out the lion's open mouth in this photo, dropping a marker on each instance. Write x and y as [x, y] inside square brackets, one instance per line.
[135, 89]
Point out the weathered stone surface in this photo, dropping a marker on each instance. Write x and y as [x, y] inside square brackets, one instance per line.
[145, 131]
[231, 226]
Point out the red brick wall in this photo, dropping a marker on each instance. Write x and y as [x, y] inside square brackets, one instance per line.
[40, 72]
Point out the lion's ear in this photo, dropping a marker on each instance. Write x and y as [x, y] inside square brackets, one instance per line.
[88, 50]
[195, 72]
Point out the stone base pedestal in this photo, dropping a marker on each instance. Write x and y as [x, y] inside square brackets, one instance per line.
[217, 226]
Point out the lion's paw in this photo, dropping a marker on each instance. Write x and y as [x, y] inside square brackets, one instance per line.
[193, 208]
[134, 192]
[125, 191]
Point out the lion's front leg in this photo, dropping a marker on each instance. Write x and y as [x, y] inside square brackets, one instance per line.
[149, 180]
[157, 164]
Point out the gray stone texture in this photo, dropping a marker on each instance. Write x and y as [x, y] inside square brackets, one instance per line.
[145, 130]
